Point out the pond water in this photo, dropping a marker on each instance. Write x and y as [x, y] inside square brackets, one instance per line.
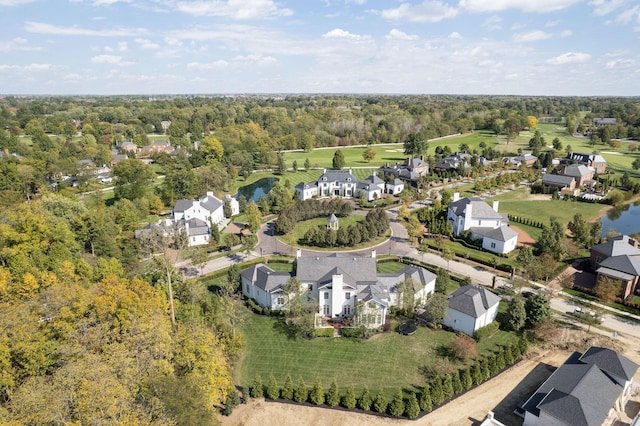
[257, 189]
[624, 219]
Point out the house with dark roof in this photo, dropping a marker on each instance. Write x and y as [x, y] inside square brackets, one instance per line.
[343, 183]
[483, 221]
[526, 159]
[596, 161]
[409, 171]
[454, 161]
[566, 184]
[342, 286]
[618, 258]
[470, 308]
[588, 389]
[579, 172]
[604, 121]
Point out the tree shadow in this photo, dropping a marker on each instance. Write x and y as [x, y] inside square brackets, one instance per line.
[289, 330]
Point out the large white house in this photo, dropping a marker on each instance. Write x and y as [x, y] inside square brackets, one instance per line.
[342, 287]
[470, 308]
[197, 216]
[484, 222]
[343, 183]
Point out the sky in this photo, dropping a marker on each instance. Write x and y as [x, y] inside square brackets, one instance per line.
[490, 47]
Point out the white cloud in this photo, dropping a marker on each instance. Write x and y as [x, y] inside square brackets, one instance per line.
[455, 35]
[259, 60]
[340, 33]
[524, 5]
[395, 34]
[31, 67]
[235, 9]
[15, 45]
[553, 23]
[629, 15]
[619, 63]
[122, 46]
[566, 33]
[530, 36]
[43, 28]
[110, 59]
[14, 2]
[569, 58]
[211, 66]
[101, 2]
[427, 11]
[147, 44]
[605, 7]
[492, 23]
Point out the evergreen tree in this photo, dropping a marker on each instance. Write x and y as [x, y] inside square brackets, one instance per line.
[484, 368]
[412, 409]
[287, 389]
[364, 403]
[338, 160]
[508, 356]
[333, 395]
[396, 407]
[317, 393]
[500, 362]
[380, 403]
[442, 280]
[447, 386]
[425, 400]
[349, 399]
[456, 384]
[476, 374]
[300, 393]
[273, 391]
[257, 389]
[493, 365]
[515, 352]
[465, 379]
[516, 315]
[437, 393]
[307, 164]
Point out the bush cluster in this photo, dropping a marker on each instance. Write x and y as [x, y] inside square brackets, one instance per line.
[526, 221]
[309, 209]
[376, 223]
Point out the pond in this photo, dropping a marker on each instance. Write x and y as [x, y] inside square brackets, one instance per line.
[624, 219]
[257, 189]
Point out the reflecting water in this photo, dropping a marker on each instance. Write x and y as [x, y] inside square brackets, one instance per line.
[256, 189]
[624, 219]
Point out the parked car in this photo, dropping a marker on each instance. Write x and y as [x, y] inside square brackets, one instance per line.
[587, 315]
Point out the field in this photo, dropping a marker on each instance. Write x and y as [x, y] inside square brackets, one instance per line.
[540, 208]
[388, 360]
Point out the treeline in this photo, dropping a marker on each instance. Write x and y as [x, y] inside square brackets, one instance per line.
[310, 209]
[376, 223]
[440, 388]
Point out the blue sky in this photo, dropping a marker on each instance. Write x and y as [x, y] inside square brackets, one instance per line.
[522, 47]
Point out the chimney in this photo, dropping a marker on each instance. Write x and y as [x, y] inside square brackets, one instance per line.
[298, 253]
[496, 203]
[209, 194]
[408, 161]
[422, 157]
[456, 196]
[468, 214]
[633, 242]
[373, 254]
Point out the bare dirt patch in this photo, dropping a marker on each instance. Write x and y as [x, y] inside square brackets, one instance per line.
[524, 239]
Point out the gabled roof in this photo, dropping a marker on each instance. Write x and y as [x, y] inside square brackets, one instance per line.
[337, 176]
[557, 180]
[610, 362]
[617, 246]
[182, 205]
[354, 269]
[472, 300]
[197, 227]
[623, 263]
[266, 278]
[302, 186]
[420, 276]
[579, 392]
[332, 218]
[479, 210]
[577, 170]
[502, 233]
[526, 157]
[373, 292]
[211, 203]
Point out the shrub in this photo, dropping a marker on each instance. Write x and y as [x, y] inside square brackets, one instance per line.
[463, 347]
[380, 403]
[317, 393]
[273, 391]
[487, 330]
[437, 393]
[244, 391]
[333, 395]
[233, 400]
[447, 386]
[352, 333]
[364, 403]
[396, 407]
[425, 402]
[287, 389]
[349, 399]
[476, 374]
[412, 409]
[323, 332]
[257, 390]
[300, 393]
[465, 379]
[456, 384]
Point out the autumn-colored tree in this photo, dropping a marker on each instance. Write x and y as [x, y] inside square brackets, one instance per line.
[607, 289]
[463, 347]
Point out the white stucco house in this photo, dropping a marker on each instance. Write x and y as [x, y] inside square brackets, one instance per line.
[343, 287]
[343, 183]
[483, 221]
[197, 216]
[470, 308]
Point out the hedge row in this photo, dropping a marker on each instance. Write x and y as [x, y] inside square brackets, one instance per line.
[526, 221]
[439, 389]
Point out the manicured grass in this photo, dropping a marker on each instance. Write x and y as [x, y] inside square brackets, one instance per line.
[389, 267]
[519, 203]
[387, 361]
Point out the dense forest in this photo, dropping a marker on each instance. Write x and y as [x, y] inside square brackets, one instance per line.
[88, 334]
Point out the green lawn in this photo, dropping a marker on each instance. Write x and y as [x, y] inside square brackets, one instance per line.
[388, 360]
[519, 203]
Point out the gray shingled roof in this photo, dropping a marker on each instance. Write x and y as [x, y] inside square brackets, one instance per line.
[577, 170]
[210, 203]
[309, 185]
[480, 209]
[617, 246]
[577, 393]
[623, 263]
[502, 233]
[556, 180]
[472, 300]
[266, 278]
[338, 176]
[197, 227]
[182, 205]
[610, 362]
[354, 268]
